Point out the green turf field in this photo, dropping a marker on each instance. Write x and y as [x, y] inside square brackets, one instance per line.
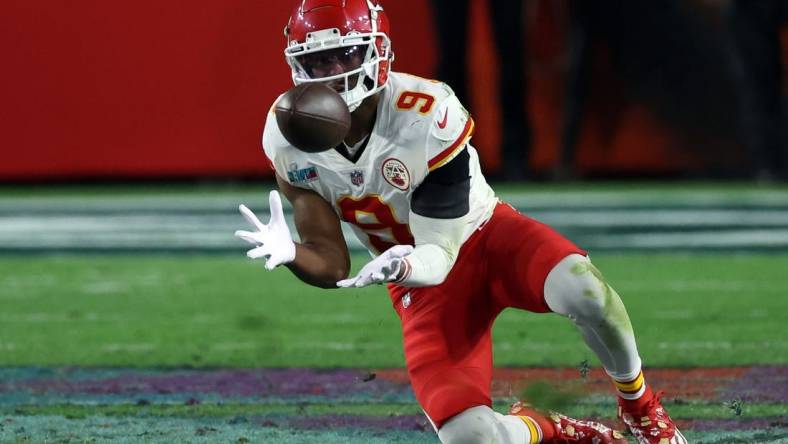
[178, 310]
[130, 314]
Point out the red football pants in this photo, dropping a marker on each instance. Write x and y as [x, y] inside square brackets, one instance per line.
[447, 329]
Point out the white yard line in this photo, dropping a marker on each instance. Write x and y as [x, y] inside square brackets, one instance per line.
[234, 346]
[338, 346]
[128, 348]
[720, 345]
[704, 239]
[721, 285]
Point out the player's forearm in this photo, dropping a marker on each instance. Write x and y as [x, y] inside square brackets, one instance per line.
[438, 243]
[319, 266]
[427, 266]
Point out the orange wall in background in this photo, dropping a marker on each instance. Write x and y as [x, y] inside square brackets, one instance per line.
[116, 89]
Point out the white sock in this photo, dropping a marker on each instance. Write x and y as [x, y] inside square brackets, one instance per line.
[520, 431]
[482, 425]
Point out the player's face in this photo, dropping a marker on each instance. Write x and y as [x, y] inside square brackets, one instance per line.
[332, 62]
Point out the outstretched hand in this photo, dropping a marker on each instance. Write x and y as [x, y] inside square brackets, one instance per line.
[383, 268]
[273, 241]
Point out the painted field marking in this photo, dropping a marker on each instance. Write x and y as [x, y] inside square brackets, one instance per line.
[128, 348]
[338, 346]
[721, 285]
[106, 287]
[532, 345]
[329, 318]
[47, 317]
[720, 345]
[234, 346]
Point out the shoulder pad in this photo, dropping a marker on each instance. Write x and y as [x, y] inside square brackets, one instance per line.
[449, 119]
[452, 128]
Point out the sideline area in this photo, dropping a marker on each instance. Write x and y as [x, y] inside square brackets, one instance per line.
[598, 217]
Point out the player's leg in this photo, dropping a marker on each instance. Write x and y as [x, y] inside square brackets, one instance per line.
[539, 270]
[448, 352]
[523, 426]
[447, 341]
[576, 289]
[519, 254]
[481, 424]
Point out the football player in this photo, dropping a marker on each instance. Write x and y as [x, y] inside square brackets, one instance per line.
[453, 256]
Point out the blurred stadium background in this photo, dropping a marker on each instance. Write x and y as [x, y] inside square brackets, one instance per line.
[131, 132]
[176, 90]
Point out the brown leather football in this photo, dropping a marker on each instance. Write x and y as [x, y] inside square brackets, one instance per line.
[313, 117]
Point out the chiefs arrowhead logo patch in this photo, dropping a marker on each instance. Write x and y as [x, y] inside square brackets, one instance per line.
[396, 174]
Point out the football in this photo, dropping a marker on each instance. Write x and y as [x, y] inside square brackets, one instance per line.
[312, 117]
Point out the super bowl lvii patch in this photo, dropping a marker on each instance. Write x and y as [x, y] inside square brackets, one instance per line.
[303, 175]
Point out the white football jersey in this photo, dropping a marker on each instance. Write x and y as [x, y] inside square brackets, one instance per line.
[420, 127]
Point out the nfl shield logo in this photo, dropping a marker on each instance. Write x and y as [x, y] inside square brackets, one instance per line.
[357, 178]
[406, 300]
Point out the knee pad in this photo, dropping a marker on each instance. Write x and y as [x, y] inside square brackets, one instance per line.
[576, 289]
[476, 425]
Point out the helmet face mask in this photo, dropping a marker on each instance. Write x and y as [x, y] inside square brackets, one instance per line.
[341, 43]
[321, 64]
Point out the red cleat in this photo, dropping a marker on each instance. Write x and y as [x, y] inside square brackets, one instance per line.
[650, 424]
[570, 430]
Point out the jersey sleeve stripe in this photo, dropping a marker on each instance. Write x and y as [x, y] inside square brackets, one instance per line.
[449, 153]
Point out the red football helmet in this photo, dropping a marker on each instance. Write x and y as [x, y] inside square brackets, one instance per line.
[343, 43]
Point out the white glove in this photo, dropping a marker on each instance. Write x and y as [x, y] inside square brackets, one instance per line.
[273, 241]
[383, 268]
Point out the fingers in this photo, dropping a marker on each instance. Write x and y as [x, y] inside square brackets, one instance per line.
[275, 204]
[274, 261]
[252, 219]
[273, 241]
[257, 253]
[379, 271]
[391, 268]
[347, 283]
[248, 236]
[399, 251]
[362, 280]
[375, 278]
